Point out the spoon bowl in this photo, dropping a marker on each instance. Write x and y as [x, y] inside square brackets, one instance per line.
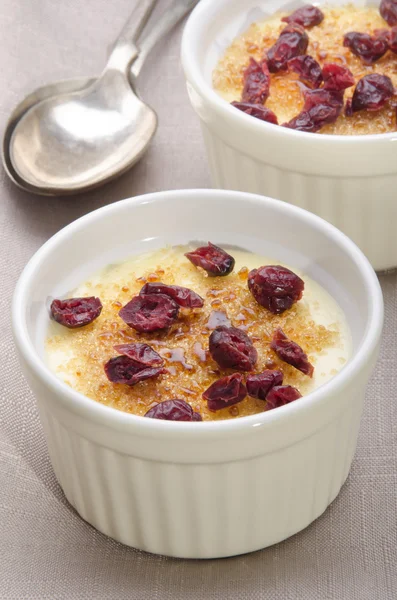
[78, 140]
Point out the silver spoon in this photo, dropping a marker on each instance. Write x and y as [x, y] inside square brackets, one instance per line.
[75, 135]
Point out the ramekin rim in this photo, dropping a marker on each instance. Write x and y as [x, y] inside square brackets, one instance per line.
[113, 418]
[195, 77]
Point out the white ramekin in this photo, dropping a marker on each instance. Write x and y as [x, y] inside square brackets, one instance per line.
[348, 180]
[200, 490]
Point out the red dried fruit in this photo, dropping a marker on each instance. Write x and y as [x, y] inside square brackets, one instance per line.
[302, 122]
[212, 259]
[392, 39]
[314, 98]
[225, 392]
[256, 82]
[280, 395]
[141, 355]
[390, 35]
[293, 41]
[382, 34]
[257, 111]
[122, 369]
[290, 352]
[306, 16]
[388, 10]
[372, 92]
[258, 386]
[321, 107]
[337, 78]
[368, 48]
[181, 295]
[308, 69]
[275, 288]
[232, 348]
[75, 312]
[173, 410]
[150, 312]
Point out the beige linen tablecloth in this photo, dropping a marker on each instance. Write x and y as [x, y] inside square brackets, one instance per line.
[46, 550]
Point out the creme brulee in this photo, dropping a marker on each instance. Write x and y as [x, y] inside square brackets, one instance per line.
[325, 46]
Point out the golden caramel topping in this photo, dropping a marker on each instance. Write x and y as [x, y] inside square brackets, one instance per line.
[243, 273]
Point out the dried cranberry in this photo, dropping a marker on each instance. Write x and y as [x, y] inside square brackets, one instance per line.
[292, 42]
[275, 288]
[141, 355]
[389, 36]
[75, 312]
[123, 369]
[232, 348]
[257, 111]
[173, 410]
[302, 122]
[225, 392]
[392, 39]
[181, 295]
[314, 98]
[369, 49]
[256, 82]
[372, 92]
[212, 259]
[337, 78]
[150, 312]
[307, 16]
[388, 10]
[290, 352]
[308, 69]
[382, 34]
[321, 107]
[280, 395]
[258, 386]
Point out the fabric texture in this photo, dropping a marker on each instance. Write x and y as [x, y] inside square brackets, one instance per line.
[46, 551]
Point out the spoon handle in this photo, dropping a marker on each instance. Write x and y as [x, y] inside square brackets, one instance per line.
[124, 49]
[163, 24]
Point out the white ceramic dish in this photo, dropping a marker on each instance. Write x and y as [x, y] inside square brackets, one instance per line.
[348, 180]
[209, 489]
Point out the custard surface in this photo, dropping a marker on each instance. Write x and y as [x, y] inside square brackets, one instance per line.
[78, 356]
[325, 45]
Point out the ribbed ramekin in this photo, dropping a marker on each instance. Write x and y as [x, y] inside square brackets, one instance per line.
[210, 489]
[348, 180]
